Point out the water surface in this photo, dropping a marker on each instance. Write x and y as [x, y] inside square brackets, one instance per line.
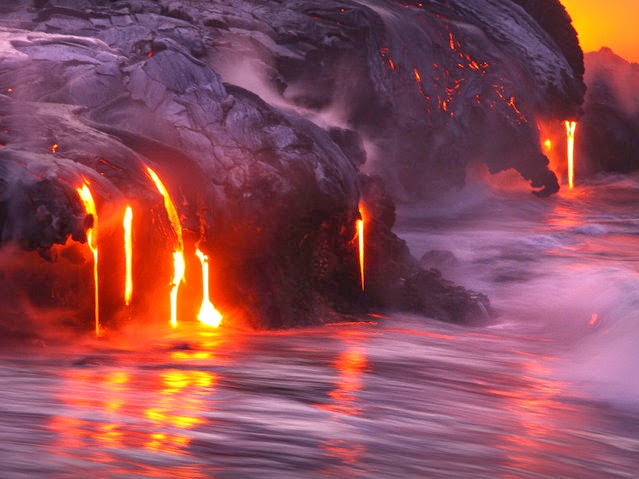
[546, 390]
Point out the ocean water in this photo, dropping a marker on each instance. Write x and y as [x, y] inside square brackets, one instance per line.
[547, 389]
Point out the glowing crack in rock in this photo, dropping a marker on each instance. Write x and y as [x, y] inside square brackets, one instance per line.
[208, 314]
[92, 240]
[178, 254]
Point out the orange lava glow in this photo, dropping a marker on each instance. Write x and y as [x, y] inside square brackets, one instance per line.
[178, 254]
[128, 254]
[360, 241]
[552, 137]
[178, 276]
[571, 126]
[208, 314]
[92, 239]
[547, 144]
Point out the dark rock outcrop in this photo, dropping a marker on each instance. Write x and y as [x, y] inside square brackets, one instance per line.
[397, 280]
[429, 85]
[252, 183]
[258, 115]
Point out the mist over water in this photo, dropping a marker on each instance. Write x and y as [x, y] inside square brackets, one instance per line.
[545, 390]
[566, 268]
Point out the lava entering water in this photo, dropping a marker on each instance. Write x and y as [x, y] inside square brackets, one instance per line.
[128, 254]
[178, 254]
[360, 237]
[571, 126]
[208, 314]
[92, 239]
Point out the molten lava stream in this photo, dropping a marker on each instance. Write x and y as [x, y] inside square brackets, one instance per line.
[178, 254]
[92, 239]
[571, 126]
[128, 255]
[178, 277]
[360, 238]
[208, 314]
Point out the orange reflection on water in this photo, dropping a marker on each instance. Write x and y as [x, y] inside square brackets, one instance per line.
[177, 410]
[191, 355]
[533, 401]
[564, 216]
[114, 415]
[351, 364]
[568, 208]
[71, 433]
[346, 451]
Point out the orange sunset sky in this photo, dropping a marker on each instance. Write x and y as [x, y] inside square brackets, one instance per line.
[609, 23]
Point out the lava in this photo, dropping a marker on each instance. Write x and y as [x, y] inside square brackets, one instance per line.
[208, 314]
[385, 53]
[420, 85]
[451, 41]
[128, 255]
[178, 254]
[571, 127]
[178, 277]
[360, 238]
[92, 239]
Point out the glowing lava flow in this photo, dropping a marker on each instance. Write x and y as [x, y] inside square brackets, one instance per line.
[208, 314]
[92, 240]
[360, 238]
[548, 144]
[128, 255]
[178, 254]
[571, 126]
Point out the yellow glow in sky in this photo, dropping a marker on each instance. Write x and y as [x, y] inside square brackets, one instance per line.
[607, 23]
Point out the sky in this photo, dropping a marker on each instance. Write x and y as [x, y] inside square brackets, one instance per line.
[607, 23]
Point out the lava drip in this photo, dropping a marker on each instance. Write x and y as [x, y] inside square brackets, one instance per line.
[128, 255]
[178, 254]
[360, 238]
[571, 126]
[92, 240]
[208, 314]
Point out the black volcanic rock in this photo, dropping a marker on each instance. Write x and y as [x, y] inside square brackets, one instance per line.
[251, 182]
[257, 115]
[430, 86]
[395, 278]
[608, 133]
